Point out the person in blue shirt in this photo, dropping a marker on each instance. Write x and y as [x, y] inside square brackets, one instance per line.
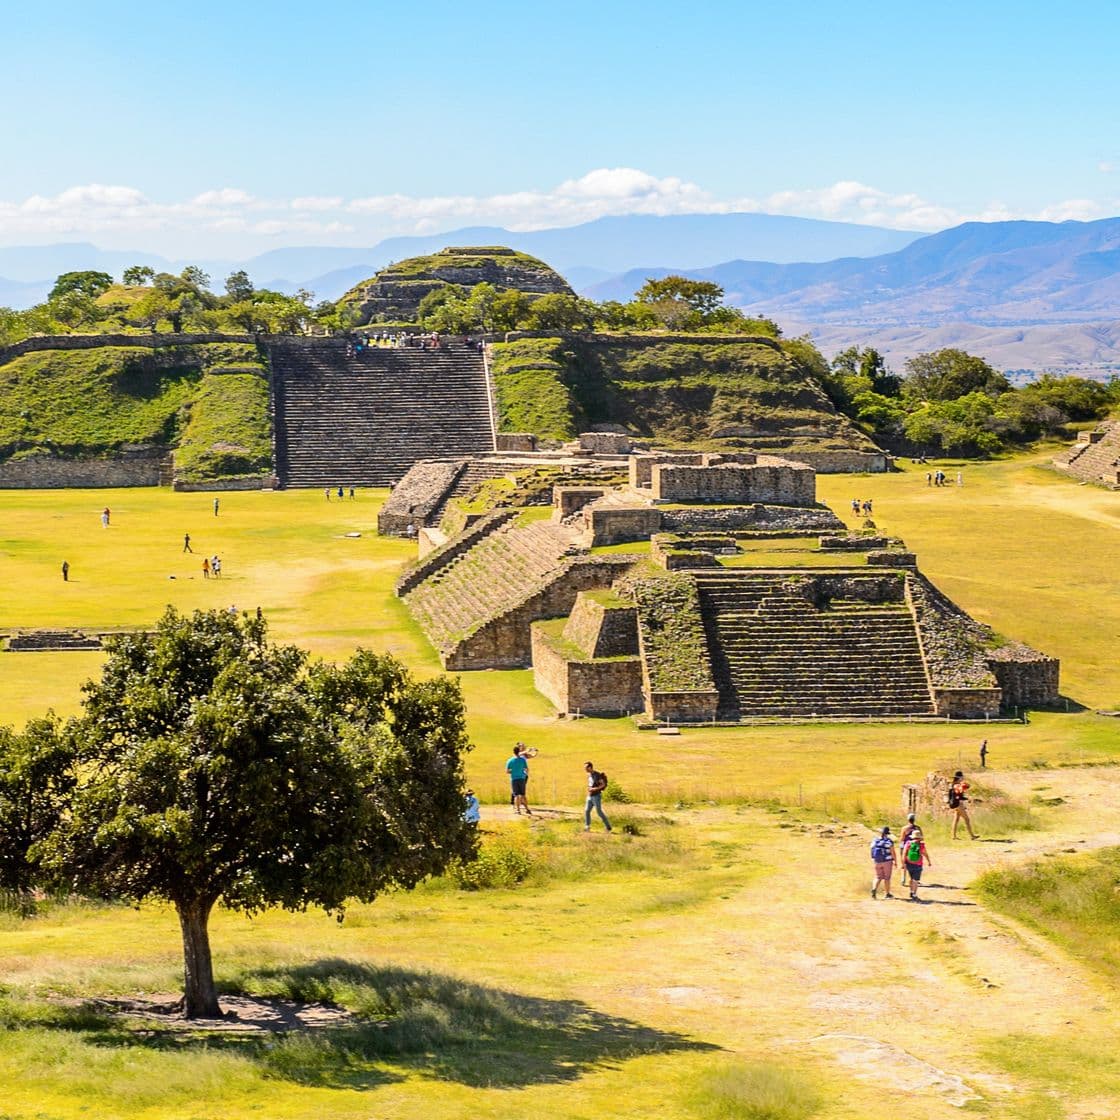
[518, 770]
[471, 813]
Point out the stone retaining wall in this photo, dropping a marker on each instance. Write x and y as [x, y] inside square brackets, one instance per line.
[441, 557]
[683, 707]
[618, 525]
[967, 703]
[45, 472]
[758, 516]
[1027, 683]
[592, 688]
[780, 484]
[240, 482]
[417, 494]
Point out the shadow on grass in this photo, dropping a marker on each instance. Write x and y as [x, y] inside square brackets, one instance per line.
[435, 1025]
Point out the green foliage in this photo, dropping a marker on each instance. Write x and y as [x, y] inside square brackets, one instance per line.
[228, 430]
[530, 386]
[946, 375]
[137, 275]
[89, 402]
[676, 649]
[499, 864]
[216, 765]
[963, 425]
[238, 286]
[89, 284]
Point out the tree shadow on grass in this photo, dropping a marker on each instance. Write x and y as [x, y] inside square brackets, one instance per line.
[424, 1023]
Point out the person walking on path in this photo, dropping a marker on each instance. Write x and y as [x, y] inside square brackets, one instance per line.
[216, 567]
[327, 493]
[105, 518]
[911, 824]
[187, 543]
[596, 784]
[958, 802]
[65, 571]
[215, 507]
[883, 856]
[205, 568]
[915, 857]
[471, 813]
[984, 755]
[517, 767]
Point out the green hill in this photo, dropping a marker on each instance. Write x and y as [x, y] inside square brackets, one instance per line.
[209, 400]
[394, 294]
[721, 393]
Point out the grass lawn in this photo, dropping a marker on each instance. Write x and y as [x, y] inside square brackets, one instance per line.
[717, 956]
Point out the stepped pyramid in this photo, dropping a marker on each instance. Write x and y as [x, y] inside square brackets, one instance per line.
[1095, 457]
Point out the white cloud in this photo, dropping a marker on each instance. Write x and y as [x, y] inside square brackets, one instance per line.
[223, 216]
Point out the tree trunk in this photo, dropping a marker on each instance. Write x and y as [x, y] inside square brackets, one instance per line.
[200, 998]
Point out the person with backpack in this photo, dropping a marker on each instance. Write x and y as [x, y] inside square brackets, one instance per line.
[958, 802]
[517, 767]
[882, 853]
[915, 857]
[911, 824]
[596, 784]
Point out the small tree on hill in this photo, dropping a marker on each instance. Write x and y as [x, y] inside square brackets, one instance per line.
[137, 275]
[219, 767]
[89, 284]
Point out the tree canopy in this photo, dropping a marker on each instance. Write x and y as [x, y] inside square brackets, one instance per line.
[946, 375]
[217, 767]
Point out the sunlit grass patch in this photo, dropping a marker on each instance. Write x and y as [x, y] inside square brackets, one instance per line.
[738, 1090]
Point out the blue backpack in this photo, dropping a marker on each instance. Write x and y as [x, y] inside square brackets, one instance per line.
[881, 850]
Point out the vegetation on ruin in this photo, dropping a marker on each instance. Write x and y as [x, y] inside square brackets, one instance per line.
[227, 431]
[673, 641]
[93, 402]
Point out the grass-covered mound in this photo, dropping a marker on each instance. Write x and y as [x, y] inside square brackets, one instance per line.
[395, 292]
[87, 403]
[716, 393]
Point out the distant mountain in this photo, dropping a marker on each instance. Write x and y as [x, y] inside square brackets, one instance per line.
[591, 251]
[998, 273]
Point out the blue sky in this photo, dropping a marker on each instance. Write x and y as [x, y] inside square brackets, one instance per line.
[245, 125]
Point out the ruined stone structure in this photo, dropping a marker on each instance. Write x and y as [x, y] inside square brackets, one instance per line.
[1095, 457]
[719, 619]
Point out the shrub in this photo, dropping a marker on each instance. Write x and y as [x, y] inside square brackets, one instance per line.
[738, 1090]
[499, 865]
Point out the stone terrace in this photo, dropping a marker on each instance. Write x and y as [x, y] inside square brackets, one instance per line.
[345, 419]
[776, 653]
[1095, 457]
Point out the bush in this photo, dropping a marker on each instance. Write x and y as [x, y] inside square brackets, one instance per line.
[738, 1090]
[499, 865]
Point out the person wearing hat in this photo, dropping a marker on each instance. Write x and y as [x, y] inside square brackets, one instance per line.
[958, 802]
[915, 857]
[911, 824]
[882, 855]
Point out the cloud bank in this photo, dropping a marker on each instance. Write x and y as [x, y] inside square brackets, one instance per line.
[228, 215]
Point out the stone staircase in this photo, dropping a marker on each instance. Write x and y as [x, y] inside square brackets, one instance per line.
[1097, 461]
[346, 419]
[490, 578]
[776, 654]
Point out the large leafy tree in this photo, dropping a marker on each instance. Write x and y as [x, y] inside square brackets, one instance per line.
[89, 284]
[221, 768]
[946, 375]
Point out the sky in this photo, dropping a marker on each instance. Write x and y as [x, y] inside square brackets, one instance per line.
[232, 128]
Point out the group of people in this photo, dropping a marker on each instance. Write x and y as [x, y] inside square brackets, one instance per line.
[211, 567]
[940, 478]
[863, 507]
[911, 853]
[517, 768]
[341, 493]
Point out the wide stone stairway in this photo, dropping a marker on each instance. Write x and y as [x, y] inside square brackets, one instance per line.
[346, 419]
[1097, 461]
[490, 578]
[777, 654]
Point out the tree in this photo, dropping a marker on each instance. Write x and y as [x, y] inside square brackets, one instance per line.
[89, 284]
[867, 363]
[219, 767]
[36, 778]
[510, 309]
[948, 374]
[238, 286]
[194, 277]
[137, 275]
[700, 296]
[559, 312]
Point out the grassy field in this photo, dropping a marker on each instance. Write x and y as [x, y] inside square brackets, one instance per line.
[716, 957]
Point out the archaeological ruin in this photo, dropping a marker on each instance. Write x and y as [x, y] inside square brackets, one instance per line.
[1095, 457]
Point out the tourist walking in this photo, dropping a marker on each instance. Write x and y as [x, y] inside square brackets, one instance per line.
[883, 856]
[517, 767]
[596, 784]
[187, 543]
[472, 813]
[958, 802]
[215, 507]
[909, 827]
[65, 571]
[915, 857]
[327, 493]
[105, 518]
[205, 568]
[984, 755]
[216, 567]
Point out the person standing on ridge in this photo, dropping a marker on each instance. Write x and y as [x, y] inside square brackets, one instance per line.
[596, 784]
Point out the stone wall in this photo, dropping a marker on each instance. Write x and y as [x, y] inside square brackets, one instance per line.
[641, 466]
[602, 625]
[780, 518]
[618, 525]
[593, 688]
[505, 642]
[515, 441]
[770, 482]
[891, 558]
[45, 472]
[1027, 683]
[605, 443]
[683, 707]
[240, 482]
[967, 703]
[567, 500]
[842, 462]
[851, 543]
